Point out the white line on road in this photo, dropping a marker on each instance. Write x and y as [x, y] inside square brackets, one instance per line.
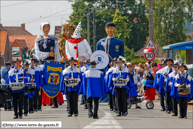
[106, 122]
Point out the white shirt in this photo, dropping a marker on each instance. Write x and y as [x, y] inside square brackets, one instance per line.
[84, 50]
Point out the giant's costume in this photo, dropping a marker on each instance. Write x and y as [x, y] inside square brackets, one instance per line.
[78, 47]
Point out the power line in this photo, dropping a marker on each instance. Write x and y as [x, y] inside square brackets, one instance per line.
[22, 20]
[46, 16]
[18, 3]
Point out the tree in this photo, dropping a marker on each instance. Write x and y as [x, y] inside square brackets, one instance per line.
[169, 19]
[135, 11]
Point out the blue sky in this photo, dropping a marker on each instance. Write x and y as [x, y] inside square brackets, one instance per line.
[32, 13]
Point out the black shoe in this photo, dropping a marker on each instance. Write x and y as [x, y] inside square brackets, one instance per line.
[119, 114]
[181, 117]
[76, 115]
[174, 114]
[82, 103]
[35, 110]
[168, 112]
[39, 109]
[90, 116]
[163, 110]
[111, 109]
[60, 104]
[125, 114]
[54, 107]
[16, 117]
[31, 112]
[20, 117]
[85, 108]
[96, 117]
[25, 114]
[185, 117]
[69, 115]
[137, 107]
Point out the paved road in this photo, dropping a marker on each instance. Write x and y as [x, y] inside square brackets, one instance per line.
[137, 118]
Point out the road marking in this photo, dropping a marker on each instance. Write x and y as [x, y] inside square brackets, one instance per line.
[106, 122]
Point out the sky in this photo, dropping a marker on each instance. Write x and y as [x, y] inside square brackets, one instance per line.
[32, 13]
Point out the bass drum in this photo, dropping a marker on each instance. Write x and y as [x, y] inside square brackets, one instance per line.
[101, 58]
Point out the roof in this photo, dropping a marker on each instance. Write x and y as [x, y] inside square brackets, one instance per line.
[158, 52]
[3, 40]
[181, 45]
[22, 42]
[16, 31]
[28, 38]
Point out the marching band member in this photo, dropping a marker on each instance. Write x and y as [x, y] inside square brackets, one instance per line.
[182, 79]
[169, 86]
[149, 75]
[28, 72]
[132, 87]
[82, 70]
[121, 92]
[93, 88]
[112, 46]
[112, 104]
[72, 92]
[14, 77]
[159, 84]
[38, 76]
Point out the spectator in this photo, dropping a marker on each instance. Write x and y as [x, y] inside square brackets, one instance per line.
[140, 72]
[159, 64]
[6, 70]
[178, 60]
[155, 70]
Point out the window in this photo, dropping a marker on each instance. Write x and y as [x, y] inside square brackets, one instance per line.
[14, 49]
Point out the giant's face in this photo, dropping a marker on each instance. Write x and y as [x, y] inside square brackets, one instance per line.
[110, 30]
[68, 33]
[46, 29]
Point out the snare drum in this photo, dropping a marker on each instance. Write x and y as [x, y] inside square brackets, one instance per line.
[183, 90]
[17, 86]
[120, 82]
[71, 82]
[30, 86]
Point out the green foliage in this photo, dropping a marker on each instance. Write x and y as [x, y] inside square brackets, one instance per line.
[182, 55]
[134, 11]
[138, 60]
[169, 19]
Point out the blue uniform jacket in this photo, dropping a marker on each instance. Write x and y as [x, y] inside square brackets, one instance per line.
[67, 73]
[11, 78]
[93, 84]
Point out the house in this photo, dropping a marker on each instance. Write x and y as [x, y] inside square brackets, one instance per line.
[58, 30]
[159, 53]
[6, 55]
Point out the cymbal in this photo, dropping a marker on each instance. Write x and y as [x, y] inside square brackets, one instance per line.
[23, 77]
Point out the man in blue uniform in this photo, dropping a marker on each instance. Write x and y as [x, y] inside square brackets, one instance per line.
[14, 76]
[112, 46]
[5, 71]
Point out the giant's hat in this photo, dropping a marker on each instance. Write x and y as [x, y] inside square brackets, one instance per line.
[76, 34]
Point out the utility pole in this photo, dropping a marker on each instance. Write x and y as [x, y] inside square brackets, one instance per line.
[88, 28]
[150, 20]
[94, 29]
[117, 6]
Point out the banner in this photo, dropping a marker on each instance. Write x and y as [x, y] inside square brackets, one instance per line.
[52, 75]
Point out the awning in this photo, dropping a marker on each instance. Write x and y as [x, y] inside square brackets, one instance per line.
[181, 45]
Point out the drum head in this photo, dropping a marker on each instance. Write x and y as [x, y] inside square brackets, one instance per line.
[101, 58]
[183, 93]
